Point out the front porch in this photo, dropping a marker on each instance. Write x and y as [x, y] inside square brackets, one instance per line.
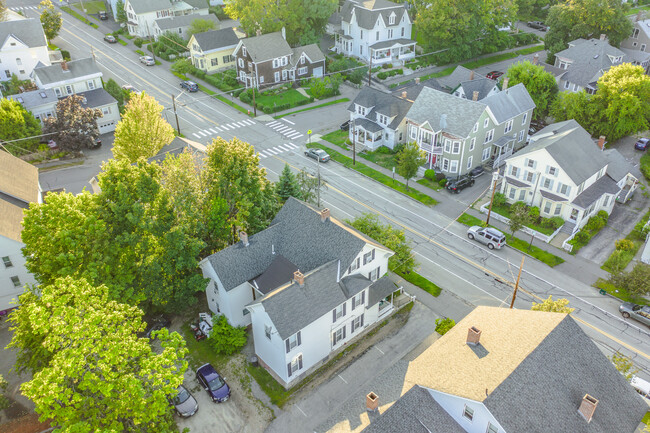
[432, 153]
[501, 150]
[366, 134]
[398, 50]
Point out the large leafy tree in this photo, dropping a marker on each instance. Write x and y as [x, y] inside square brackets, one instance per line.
[75, 126]
[200, 25]
[573, 105]
[255, 15]
[142, 132]
[234, 178]
[553, 306]
[586, 19]
[540, 84]
[409, 159]
[16, 122]
[89, 358]
[116, 92]
[50, 18]
[305, 20]
[120, 12]
[636, 282]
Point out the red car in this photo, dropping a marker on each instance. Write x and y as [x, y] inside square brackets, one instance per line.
[494, 75]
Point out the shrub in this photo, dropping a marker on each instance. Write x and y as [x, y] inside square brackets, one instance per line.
[444, 325]
[382, 75]
[517, 206]
[624, 245]
[400, 71]
[138, 42]
[225, 338]
[442, 182]
[245, 98]
[66, 55]
[268, 110]
[430, 174]
[533, 212]
[386, 66]
[582, 237]
[616, 262]
[603, 215]
[499, 199]
[595, 223]
[557, 222]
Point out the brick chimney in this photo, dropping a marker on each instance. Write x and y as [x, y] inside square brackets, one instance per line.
[638, 16]
[417, 80]
[404, 93]
[535, 59]
[475, 95]
[603, 36]
[471, 75]
[299, 278]
[244, 238]
[588, 407]
[64, 66]
[504, 86]
[372, 402]
[473, 336]
[325, 214]
[601, 142]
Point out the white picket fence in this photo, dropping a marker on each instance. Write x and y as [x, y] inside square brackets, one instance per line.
[537, 235]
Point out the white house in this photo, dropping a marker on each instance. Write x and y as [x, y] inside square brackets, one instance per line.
[377, 29]
[22, 47]
[41, 103]
[180, 24]
[19, 187]
[68, 78]
[308, 284]
[564, 173]
[141, 14]
[505, 370]
[104, 102]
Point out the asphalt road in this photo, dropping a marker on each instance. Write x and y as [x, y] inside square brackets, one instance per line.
[466, 268]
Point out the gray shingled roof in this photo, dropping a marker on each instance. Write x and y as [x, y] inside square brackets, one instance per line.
[516, 182]
[380, 289]
[28, 31]
[367, 12]
[392, 43]
[571, 147]
[636, 55]
[644, 25]
[143, 6]
[553, 70]
[97, 98]
[35, 98]
[76, 69]
[547, 387]
[279, 272]
[384, 103]
[415, 412]
[368, 125]
[297, 233]
[217, 39]
[481, 85]
[266, 47]
[461, 114]
[604, 185]
[551, 196]
[510, 102]
[312, 51]
[184, 21]
[413, 90]
[293, 307]
[618, 167]
[590, 60]
[460, 74]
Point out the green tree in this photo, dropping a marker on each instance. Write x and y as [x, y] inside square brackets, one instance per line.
[225, 338]
[519, 217]
[200, 25]
[3, 10]
[586, 19]
[624, 365]
[120, 12]
[93, 359]
[255, 15]
[573, 105]
[4, 400]
[444, 325]
[143, 131]
[288, 185]
[75, 126]
[409, 159]
[116, 92]
[50, 18]
[305, 20]
[310, 186]
[540, 84]
[15, 85]
[528, 9]
[636, 282]
[16, 122]
[551, 306]
[232, 173]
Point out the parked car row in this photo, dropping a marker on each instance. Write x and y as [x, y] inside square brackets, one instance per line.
[537, 25]
[215, 385]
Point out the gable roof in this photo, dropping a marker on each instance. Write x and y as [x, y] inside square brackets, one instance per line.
[618, 167]
[460, 114]
[28, 31]
[96, 98]
[18, 187]
[217, 39]
[35, 98]
[266, 47]
[571, 147]
[644, 25]
[312, 51]
[367, 12]
[76, 69]
[144, 6]
[459, 74]
[589, 59]
[383, 103]
[509, 103]
[481, 85]
[297, 233]
[532, 364]
[183, 21]
[604, 185]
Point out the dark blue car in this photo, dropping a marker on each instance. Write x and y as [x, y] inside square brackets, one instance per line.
[642, 144]
[213, 383]
[191, 86]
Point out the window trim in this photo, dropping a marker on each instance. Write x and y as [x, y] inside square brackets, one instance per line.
[6, 260]
[468, 413]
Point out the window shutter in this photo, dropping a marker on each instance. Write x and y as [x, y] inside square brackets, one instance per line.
[363, 298]
[349, 269]
[344, 332]
[534, 165]
[358, 262]
[289, 369]
[300, 362]
[299, 342]
[361, 320]
[353, 303]
[373, 254]
[352, 327]
[547, 169]
[334, 315]
[370, 275]
[344, 308]
[287, 344]
[526, 162]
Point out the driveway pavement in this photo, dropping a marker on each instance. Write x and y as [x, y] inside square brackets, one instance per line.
[20, 404]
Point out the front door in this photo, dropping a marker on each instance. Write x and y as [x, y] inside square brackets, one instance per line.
[574, 214]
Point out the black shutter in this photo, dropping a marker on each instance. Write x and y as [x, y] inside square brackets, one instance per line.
[334, 315]
[299, 342]
[343, 333]
[300, 362]
[349, 269]
[363, 298]
[289, 369]
[352, 327]
[344, 308]
[370, 275]
[361, 325]
[373, 254]
[287, 341]
[353, 302]
[358, 262]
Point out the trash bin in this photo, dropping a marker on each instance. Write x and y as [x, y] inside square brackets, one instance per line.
[253, 361]
[602, 292]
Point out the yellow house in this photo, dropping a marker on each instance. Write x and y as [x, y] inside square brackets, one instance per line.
[212, 50]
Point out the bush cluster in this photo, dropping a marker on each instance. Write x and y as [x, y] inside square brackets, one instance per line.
[593, 226]
[138, 42]
[391, 73]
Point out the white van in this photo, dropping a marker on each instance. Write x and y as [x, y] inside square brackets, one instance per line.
[642, 387]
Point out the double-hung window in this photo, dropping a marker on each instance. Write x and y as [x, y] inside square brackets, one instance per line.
[295, 365]
[374, 274]
[369, 257]
[7, 262]
[338, 335]
[359, 299]
[523, 120]
[455, 147]
[486, 154]
[489, 136]
[472, 143]
[338, 312]
[293, 341]
[357, 323]
[508, 126]
[468, 413]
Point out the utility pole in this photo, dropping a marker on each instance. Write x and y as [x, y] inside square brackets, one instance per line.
[370, 67]
[354, 143]
[318, 159]
[178, 127]
[153, 50]
[495, 177]
[514, 295]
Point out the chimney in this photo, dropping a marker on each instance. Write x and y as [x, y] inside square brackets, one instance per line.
[324, 214]
[601, 142]
[299, 278]
[471, 75]
[504, 86]
[372, 402]
[404, 93]
[244, 238]
[475, 95]
[417, 80]
[64, 66]
[473, 336]
[588, 407]
[535, 59]
[603, 36]
[284, 34]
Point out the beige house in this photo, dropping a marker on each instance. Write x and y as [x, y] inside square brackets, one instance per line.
[212, 51]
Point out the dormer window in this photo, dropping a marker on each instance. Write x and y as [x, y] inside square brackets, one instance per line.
[361, 110]
[382, 119]
[391, 19]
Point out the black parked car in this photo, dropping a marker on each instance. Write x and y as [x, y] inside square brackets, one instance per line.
[477, 171]
[457, 185]
[537, 25]
[345, 126]
[103, 15]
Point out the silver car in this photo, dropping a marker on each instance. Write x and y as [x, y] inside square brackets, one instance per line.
[489, 236]
[147, 60]
[185, 403]
[637, 312]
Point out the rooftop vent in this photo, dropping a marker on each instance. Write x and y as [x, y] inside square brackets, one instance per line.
[299, 278]
[244, 238]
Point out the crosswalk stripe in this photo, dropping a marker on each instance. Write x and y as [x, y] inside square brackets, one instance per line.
[213, 131]
[283, 129]
[266, 153]
[218, 129]
[272, 151]
[278, 126]
[203, 134]
[283, 148]
[241, 124]
[288, 121]
[233, 125]
[196, 135]
[275, 122]
[225, 127]
[248, 122]
[261, 154]
[293, 146]
[297, 136]
[295, 133]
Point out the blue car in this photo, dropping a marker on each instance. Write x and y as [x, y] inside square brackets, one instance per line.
[642, 144]
[213, 383]
[191, 86]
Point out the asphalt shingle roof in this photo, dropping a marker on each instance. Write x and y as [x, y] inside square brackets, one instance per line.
[460, 74]
[510, 102]
[481, 85]
[184, 21]
[590, 59]
[36, 98]
[278, 273]
[266, 47]
[604, 185]
[380, 289]
[460, 114]
[217, 39]
[367, 12]
[143, 6]
[312, 51]
[383, 103]
[392, 43]
[76, 69]
[97, 98]
[28, 31]
[618, 167]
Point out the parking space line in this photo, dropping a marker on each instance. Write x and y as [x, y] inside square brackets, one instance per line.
[288, 121]
[379, 350]
[342, 378]
[301, 411]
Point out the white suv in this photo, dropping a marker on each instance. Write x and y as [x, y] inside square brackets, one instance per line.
[489, 236]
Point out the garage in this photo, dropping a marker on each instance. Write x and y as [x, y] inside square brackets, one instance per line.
[318, 72]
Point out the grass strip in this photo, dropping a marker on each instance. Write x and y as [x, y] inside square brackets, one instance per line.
[276, 392]
[78, 16]
[429, 184]
[376, 175]
[619, 292]
[121, 42]
[530, 50]
[423, 283]
[92, 7]
[338, 138]
[489, 60]
[469, 220]
[336, 101]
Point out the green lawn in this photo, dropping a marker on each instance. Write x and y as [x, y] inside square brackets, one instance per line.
[489, 60]
[429, 184]
[374, 174]
[505, 211]
[530, 50]
[201, 352]
[337, 137]
[620, 293]
[625, 257]
[291, 96]
[469, 220]
[276, 392]
[78, 16]
[423, 283]
[123, 43]
[386, 160]
[336, 101]
[211, 93]
[92, 7]
[646, 418]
